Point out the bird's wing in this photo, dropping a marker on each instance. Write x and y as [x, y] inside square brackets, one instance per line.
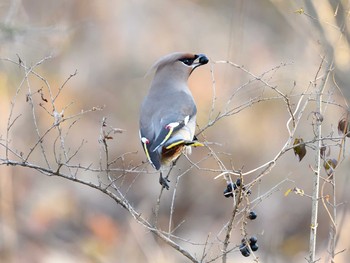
[162, 119]
[173, 120]
[167, 131]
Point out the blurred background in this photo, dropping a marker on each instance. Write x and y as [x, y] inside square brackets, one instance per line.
[112, 44]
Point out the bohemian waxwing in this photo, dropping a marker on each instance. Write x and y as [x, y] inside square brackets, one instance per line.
[168, 113]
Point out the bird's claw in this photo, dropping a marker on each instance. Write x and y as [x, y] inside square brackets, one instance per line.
[164, 182]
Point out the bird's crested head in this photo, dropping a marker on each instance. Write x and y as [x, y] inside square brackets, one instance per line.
[180, 62]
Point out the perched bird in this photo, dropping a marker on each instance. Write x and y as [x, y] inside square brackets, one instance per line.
[168, 112]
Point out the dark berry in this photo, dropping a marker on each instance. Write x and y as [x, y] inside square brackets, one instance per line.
[254, 247]
[253, 240]
[244, 250]
[252, 215]
[234, 186]
[231, 186]
[228, 191]
[238, 182]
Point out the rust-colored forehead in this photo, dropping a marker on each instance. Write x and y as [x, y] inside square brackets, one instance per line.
[175, 56]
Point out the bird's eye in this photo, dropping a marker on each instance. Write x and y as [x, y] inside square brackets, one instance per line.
[187, 61]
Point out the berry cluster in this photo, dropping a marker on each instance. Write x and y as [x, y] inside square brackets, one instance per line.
[247, 245]
[231, 187]
[245, 251]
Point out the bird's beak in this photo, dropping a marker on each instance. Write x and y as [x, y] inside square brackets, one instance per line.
[200, 60]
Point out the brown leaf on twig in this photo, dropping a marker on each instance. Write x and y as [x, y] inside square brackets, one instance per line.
[330, 164]
[104, 124]
[323, 151]
[106, 136]
[318, 116]
[327, 197]
[343, 127]
[20, 62]
[42, 94]
[298, 191]
[42, 97]
[299, 148]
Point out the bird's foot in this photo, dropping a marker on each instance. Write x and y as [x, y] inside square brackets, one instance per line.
[164, 182]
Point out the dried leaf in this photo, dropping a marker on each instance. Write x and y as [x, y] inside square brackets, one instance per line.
[327, 198]
[318, 116]
[20, 62]
[42, 97]
[341, 126]
[323, 151]
[288, 192]
[298, 191]
[299, 11]
[344, 127]
[299, 148]
[104, 124]
[330, 163]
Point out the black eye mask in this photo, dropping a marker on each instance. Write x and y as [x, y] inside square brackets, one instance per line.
[188, 61]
